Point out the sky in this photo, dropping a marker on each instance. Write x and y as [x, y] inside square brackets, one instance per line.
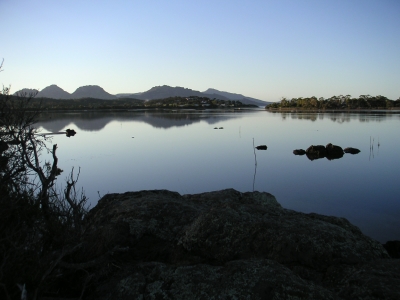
[261, 49]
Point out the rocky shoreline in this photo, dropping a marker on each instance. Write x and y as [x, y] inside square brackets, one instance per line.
[232, 245]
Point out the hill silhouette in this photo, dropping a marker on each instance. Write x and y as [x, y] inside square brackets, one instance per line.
[157, 92]
[165, 91]
[91, 91]
[237, 97]
[54, 92]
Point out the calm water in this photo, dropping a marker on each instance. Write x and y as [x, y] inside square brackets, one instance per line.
[181, 151]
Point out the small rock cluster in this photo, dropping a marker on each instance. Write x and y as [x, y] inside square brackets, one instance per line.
[329, 151]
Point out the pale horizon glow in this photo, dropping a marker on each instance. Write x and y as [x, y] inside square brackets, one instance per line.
[261, 49]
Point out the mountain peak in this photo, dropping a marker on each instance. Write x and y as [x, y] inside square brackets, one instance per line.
[53, 91]
[166, 91]
[156, 92]
[91, 91]
[237, 97]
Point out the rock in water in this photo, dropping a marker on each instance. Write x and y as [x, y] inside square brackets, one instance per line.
[318, 150]
[70, 132]
[333, 152]
[299, 152]
[333, 149]
[351, 150]
[261, 147]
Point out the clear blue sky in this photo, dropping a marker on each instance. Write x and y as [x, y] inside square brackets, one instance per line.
[262, 49]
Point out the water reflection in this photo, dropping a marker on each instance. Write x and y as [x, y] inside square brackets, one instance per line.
[188, 156]
[313, 156]
[371, 148]
[340, 117]
[96, 121]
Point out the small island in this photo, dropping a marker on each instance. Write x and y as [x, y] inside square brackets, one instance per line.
[335, 103]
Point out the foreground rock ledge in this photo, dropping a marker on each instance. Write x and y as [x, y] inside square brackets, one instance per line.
[232, 245]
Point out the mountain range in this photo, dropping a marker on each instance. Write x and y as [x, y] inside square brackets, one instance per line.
[157, 92]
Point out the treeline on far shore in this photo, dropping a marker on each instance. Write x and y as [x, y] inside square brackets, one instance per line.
[129, 103]
[337, 102]
[83, 103]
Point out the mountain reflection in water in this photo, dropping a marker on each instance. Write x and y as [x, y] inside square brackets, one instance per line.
[181, 151]
[340, 116]
[95, 121]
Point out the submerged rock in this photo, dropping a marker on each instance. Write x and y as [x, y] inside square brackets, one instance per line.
[299, 152]
[351, 150]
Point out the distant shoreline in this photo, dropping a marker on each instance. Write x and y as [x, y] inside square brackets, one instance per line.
[392, 109]
[151, 109]
[227, 109]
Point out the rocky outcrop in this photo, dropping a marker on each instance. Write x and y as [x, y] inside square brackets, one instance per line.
[232, 245]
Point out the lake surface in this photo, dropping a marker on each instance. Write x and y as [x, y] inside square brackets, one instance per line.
[181, 151]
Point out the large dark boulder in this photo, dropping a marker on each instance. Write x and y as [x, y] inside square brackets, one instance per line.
[231, 245]
[333, 149]
[316, 152]
[320, 150]
[333, 152]
[237, 279]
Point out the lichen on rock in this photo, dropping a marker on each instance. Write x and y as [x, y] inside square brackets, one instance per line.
[232, 245]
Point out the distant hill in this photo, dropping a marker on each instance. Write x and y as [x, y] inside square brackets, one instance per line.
[129, 95]
[157, 92]
[53, 92]
[92, 91]
[238, 97]
[165, 91]
[26, 92]
[88, 91]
